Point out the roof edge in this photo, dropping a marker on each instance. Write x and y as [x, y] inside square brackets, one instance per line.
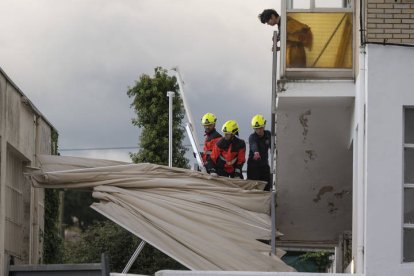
[27, 100]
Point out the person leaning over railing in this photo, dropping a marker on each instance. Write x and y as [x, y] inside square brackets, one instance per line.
[298, 37]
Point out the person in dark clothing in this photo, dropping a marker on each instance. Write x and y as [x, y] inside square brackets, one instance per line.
[259, 142]
[228, 156]
[211, 137]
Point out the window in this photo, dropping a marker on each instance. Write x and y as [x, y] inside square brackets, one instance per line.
[14, 226]
[319, 4]
[408, 228]
[318, 39]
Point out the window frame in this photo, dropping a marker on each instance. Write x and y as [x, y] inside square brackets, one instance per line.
[405, 186]
[315, 73]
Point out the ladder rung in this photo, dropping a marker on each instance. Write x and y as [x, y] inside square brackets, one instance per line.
[409, 225]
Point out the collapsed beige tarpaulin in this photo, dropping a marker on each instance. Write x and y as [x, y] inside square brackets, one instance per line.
[204, 222]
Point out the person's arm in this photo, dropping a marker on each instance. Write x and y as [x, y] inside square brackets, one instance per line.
[241, 156]
[203, 154]
[253, 143]
[254, 147]
[212, 161]
[241, 159]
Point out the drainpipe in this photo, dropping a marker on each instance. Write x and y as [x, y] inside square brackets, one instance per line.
[361, 155]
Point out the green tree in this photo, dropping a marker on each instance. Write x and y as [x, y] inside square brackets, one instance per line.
[150, 102]
[52, 239]
[119, 244]
[76, 204]
[321, 259]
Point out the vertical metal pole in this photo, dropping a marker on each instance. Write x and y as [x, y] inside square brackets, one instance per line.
[170, 95]
[273, 143]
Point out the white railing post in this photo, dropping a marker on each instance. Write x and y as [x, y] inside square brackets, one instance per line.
[273, 143]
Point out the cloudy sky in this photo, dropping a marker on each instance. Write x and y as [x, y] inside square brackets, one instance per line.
[75, 60]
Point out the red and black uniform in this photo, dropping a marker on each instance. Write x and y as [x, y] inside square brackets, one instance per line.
[228, 157]
[212, 138]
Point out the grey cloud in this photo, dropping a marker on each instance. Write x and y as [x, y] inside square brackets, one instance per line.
[76, 59]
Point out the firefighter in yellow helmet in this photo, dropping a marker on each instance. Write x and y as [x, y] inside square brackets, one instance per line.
[228, 156]
[211, 137]
[259, 142]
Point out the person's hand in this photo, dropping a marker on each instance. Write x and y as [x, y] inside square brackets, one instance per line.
[256, 156]
[238, 173]
[195, 155]
[213, 172]
[277, 48]
[277, 38]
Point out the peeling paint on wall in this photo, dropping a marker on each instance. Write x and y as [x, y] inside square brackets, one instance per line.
[322, 191]
[310, 155]
[303, 120]
[340, 195]
[331, 208]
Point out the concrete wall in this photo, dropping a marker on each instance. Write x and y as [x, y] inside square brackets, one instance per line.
[390, 20]
[314, 169]
[389, 89]
[24, 133]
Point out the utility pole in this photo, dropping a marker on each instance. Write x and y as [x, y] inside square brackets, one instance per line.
[170, 96]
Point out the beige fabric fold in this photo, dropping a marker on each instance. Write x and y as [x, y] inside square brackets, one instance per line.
[204, 222]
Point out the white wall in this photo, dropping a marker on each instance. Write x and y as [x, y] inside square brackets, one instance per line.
[314, 169]
[390, 81]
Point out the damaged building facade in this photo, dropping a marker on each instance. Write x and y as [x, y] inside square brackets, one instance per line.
[24, 133]
[344, 124]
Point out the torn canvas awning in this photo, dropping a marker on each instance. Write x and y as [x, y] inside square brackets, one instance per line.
[204, 222]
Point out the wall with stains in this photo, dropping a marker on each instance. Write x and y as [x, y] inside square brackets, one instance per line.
[314, 171]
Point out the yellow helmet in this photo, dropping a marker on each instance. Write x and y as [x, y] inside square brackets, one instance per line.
[230, 127]
[208, 119]
[258, 121]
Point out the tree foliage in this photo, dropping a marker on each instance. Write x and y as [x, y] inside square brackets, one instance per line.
[52, 239]
[76, 204]
[120, 245]
[53, 243]
[150, 102]
[321, 259]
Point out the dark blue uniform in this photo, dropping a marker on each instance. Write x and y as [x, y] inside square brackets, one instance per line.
[259, 169]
